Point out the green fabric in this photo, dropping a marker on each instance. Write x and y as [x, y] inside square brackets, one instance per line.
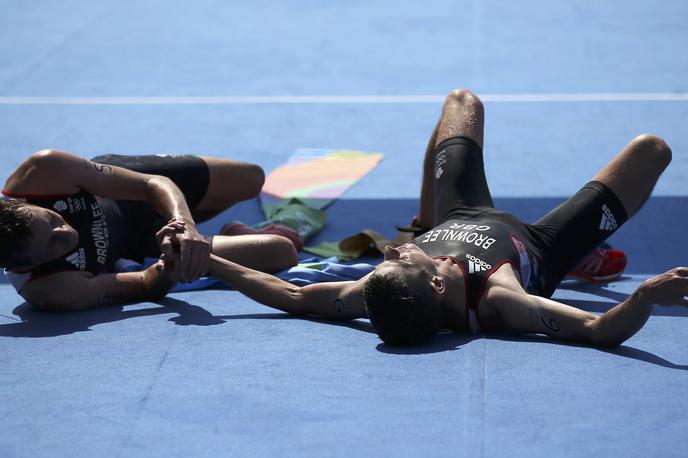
[328, 249]
[294, 213]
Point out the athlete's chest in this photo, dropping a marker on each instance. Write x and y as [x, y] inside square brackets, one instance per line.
[85, 213]
[478, 247]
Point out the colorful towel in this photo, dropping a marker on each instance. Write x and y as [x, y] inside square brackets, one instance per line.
[317, 177]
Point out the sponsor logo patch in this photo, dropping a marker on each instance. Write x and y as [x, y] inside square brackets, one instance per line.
[60, 206]
[608, 222]
[440, 160]
[476, 264]
[78, 259]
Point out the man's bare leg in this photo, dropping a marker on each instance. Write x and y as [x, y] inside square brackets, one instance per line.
[264, 252]
[229, 182]
[632, 174]
[462, 115]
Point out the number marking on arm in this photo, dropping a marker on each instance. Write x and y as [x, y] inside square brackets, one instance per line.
[552, 324]
[339, 305]
[100, 168]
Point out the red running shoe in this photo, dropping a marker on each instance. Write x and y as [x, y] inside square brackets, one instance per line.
[239, 228]
[603, 264]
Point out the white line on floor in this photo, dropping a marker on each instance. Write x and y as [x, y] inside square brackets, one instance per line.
[352, 99]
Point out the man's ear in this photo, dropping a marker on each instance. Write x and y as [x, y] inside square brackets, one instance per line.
[438, 285]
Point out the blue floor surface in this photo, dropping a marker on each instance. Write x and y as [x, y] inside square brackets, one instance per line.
[212, 373]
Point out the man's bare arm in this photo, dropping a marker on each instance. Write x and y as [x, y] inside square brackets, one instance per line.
[522, 312]
[69, 291]
[334, 300]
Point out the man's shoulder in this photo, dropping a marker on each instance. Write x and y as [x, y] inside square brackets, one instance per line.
[45, 173]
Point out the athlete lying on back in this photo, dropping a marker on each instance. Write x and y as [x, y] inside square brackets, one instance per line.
[481, 268]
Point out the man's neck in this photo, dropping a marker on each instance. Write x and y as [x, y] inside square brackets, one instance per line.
[455, 301]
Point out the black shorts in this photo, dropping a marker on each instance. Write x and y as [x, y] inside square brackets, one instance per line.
[189, 173]
[558, 240]
[459, 177]
[570, 231]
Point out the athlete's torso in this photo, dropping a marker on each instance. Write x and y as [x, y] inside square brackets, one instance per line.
[100, 226]
[481, 245]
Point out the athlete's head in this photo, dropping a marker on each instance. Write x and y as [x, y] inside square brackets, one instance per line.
[31, 235]
[403, 302]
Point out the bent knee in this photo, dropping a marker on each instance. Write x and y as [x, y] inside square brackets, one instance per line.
[253, 178]
[283, 253]
[464, 97]
[231, 182]
[245, 178]
[653, 148]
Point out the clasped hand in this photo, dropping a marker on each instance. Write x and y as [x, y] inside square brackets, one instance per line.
[184, 251]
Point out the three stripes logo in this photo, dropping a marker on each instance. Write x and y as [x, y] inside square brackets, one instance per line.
[78, 259]
[476, 265]
[440, 160]
[608, 222]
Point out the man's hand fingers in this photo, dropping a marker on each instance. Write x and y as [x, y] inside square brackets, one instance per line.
[199, 254]
[682, 271]
[185, 260]
[167, 248]
[168, 230]
[195, 261]
[202, 259]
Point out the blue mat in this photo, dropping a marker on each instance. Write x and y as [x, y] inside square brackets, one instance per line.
[212, 373]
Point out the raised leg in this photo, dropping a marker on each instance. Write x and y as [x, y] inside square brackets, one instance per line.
[632, 174]
[462, 115]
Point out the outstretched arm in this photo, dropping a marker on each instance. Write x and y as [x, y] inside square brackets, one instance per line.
[522, 312]
[334, 300]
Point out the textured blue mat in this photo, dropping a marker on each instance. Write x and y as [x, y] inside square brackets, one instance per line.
[212, 373]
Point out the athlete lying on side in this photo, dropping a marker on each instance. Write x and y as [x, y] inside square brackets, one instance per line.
[69, 219]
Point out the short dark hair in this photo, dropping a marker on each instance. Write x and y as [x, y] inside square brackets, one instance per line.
[15, 231]
[402, 309]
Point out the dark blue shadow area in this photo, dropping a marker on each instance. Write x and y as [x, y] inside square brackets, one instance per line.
[624, 351]
[36, 323]
[444, 341]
